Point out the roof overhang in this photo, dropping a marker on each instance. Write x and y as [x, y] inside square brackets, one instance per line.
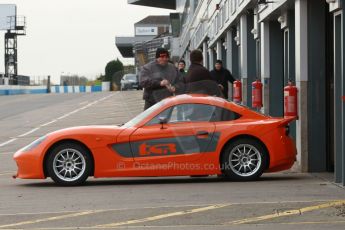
[166, 4]
[126, 44]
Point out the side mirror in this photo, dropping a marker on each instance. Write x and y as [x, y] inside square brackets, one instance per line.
[163, 121]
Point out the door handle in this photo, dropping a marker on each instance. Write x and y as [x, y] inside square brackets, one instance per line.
[202, 133]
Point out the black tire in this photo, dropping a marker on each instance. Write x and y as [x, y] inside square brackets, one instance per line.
[244, 159]
[78, 164]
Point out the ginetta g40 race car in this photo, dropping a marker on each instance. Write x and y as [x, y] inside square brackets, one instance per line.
[186, 135]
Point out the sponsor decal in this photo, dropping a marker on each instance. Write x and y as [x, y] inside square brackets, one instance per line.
[146, 31]
[157, 149]
[168, 146]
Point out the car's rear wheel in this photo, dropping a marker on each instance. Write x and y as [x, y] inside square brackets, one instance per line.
[69, 164]
[244, 159]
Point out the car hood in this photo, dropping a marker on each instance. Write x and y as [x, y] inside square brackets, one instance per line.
[130, 81]
[92, 136]
[89, 130]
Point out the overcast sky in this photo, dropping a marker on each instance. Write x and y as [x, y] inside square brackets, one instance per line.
[73, 36]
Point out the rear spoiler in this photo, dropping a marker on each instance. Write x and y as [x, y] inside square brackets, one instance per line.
[286, 120]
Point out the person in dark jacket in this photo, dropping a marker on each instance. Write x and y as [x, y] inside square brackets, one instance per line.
[180, 86]
[198, 78]
[196, 71]
[222, 76]
[158, 78]
[181, 68]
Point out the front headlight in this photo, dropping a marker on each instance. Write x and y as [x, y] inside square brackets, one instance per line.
[34, 144]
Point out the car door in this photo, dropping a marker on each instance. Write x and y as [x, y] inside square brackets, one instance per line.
[186, 136]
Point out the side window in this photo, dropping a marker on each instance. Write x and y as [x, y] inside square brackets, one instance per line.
[166, 113]
[195, 112]
[192, 112]
[222, 114]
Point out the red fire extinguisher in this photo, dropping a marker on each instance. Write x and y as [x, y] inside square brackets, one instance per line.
[237, 91]
[290, 100]
[257, 94]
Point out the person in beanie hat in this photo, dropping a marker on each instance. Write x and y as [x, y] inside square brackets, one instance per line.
[222, 76]
[158, 78]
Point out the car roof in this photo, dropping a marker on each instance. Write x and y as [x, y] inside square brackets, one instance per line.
[198, 98]
[203, 99]
[129, 75]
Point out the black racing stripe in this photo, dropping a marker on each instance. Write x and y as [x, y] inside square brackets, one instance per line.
[214, 142]
[123, 149]
[168, 146]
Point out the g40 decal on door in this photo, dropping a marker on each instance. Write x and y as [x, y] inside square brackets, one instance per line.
[157, 149]
[167, 146]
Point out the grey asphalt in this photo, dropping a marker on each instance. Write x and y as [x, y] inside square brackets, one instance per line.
[281, 200]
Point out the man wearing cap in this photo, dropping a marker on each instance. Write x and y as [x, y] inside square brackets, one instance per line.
[158, 78]
[222, 76]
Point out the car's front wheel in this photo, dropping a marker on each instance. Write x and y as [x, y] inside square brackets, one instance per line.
[69, 164]
[244, 159]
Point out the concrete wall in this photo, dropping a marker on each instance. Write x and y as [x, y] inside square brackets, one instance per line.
[16, 89]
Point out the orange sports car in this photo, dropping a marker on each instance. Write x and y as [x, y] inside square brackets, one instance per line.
[186, 135]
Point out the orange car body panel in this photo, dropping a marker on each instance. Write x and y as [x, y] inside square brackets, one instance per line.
[125, 152]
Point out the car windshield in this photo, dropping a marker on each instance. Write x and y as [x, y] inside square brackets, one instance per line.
[131, 77]
[136, 120]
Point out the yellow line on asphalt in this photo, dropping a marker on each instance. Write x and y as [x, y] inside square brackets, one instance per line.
[315, 222]
[49, 219]
[163, 216]
[163, 206]
[182, 226]
[287, 213]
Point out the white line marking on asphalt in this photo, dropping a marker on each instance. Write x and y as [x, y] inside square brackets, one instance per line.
[49, 123]
[29, 132]
[62, 117]
[7, 142]
[59, 118]
[84, 102]
[80, 109]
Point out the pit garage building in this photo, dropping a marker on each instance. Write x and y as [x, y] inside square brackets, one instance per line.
[277, 41]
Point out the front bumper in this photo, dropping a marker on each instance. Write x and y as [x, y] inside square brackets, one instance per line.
[131, 86]
[29, 165]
